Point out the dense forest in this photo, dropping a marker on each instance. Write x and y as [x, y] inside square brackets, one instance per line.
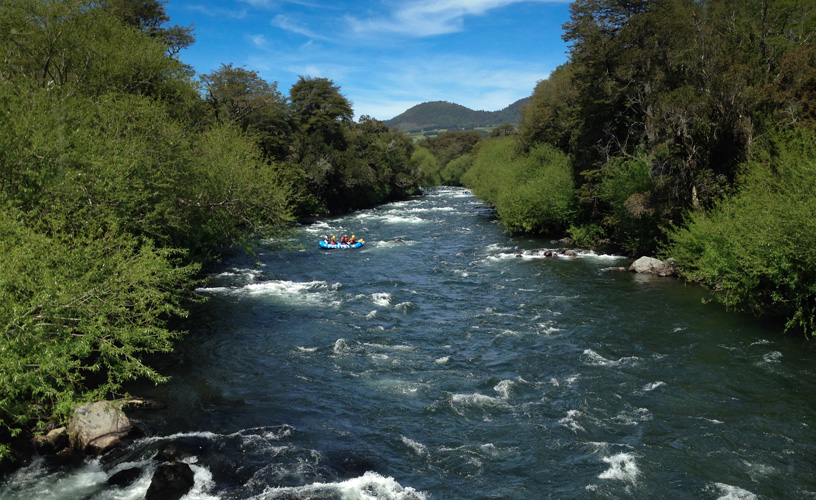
[122, 173]
[440, 115]
[682, 128]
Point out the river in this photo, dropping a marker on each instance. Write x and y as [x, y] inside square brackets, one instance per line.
[439, 362]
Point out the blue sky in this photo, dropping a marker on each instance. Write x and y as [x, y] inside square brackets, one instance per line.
[385, 55]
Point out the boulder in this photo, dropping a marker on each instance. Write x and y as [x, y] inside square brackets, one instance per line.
[95, 427]
[53, 442]
[125, 478]
[171, 481]
[650, 265]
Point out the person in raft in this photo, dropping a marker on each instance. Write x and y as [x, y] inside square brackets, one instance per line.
[344, 239]
[352, 240]
[333, 240]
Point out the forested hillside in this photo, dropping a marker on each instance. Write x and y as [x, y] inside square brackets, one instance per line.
[121, 174]
[687, 128]
[440, 115]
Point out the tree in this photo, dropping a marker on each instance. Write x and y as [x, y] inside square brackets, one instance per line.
[150, 16]
[241, 96]
[551, 113]
[318, 107]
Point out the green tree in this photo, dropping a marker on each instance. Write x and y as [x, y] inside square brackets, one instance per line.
[150, 17]
[241, 96]
[550, 115]
[532, 193]
[754, 249]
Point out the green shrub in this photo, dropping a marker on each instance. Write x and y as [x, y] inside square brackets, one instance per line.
[532, 193]
[755, 248]
[586, 235]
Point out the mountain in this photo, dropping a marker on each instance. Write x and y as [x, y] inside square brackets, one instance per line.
[441, 115]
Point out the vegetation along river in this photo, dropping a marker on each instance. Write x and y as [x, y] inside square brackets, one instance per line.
[436, 363]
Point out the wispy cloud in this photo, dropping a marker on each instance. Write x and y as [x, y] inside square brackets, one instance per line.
[218, 12]
[428, 17]
[288, 24]
[259, 41]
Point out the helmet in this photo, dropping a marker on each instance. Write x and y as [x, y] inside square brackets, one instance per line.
[352, 236]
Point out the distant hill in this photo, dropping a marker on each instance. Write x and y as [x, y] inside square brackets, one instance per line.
[441, 115]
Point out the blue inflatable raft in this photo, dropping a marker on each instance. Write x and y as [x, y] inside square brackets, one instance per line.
[330, 246]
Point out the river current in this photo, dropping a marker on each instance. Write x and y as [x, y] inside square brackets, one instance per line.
[443, 360]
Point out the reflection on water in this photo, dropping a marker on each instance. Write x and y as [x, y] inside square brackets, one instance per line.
[447, 359]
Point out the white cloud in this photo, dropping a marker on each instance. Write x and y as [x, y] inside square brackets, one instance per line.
[429, 17]
[287, 24]
[259, 41]
[218, 12]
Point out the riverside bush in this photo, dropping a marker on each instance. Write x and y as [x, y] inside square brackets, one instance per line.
[755, 248]
[532, 193]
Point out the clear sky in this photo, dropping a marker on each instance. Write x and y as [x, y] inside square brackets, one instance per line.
[385, 55]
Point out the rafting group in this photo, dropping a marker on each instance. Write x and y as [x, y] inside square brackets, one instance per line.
[343, 242]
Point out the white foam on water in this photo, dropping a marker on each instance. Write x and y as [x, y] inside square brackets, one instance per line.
[633, 417]
[429, 209]
[547, 328]
[728, 492]
[400, 219]
[476, 400]
[571, 422]
[489, 449]
[293, 292]
[390, 347]
[341, 347]
[418, 448]
[595, 359]
[405, 306]
[371, 315]
[393, 243]
[504, 387]
[90, 481]
[772, 357]
[622, 467]
[442, 360]
[242, 273]
[369, 486]
[381, 299]
[307, 350]
[653, 386]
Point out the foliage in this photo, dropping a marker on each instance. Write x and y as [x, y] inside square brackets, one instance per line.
[113, 191]
[449, 146]
[78, 311]
[587, 235]
[755, 247]
[633, 218]
[429, 167]
[550, 114]
[236, 95]
[532, 193]
[452, 173]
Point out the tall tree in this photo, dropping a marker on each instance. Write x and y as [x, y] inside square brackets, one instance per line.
[241, 96]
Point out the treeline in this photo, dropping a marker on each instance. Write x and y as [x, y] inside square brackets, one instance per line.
[121, 174]
[680, 128]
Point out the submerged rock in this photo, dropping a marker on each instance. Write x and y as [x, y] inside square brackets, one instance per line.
[125, 478]
[171, 481]
[95, 427]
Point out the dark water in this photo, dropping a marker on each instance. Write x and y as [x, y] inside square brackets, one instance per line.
[443, 366]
